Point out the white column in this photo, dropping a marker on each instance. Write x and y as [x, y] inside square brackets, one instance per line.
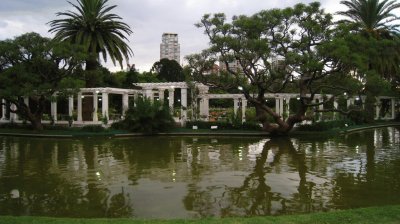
[95, 118]
[184, 104]
[235, 105]
[3, 107]
[204, 108]
[26, 101]
[13, 116]
[104, 105]
[135, 98]
[320, 107]
[277, 105]
[288, 106]
[70, 106]
[149, 94]
[125, 103]
[363, 100]
[350, 102]
[171, 98]
[79, 102]
[335, 106]
[53, 110]
[244, 106]
[377, 108]
[161, 94]
[393, 102]
[280, 106]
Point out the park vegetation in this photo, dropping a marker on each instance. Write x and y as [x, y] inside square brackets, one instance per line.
[299, 49]
[35, 67]
[147, 117]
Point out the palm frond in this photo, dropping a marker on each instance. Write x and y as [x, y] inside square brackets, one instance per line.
[92, 25]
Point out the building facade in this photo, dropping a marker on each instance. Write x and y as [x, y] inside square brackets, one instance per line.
[170, 47]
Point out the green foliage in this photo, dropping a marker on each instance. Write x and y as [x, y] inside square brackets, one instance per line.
[146, 117]
[359, 116]
[38, 67]
[93, 128]
[168, 70]
[130, 77]
[31, 66]
[279, 50]
[224, 125]
[148, 77]
[325, 125]
[377, 26]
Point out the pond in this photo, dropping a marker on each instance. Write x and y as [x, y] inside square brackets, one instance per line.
[190, 177]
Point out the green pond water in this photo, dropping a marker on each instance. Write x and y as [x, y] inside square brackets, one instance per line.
[190, 177]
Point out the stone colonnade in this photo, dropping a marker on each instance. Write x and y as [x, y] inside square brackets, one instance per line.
[157, 90]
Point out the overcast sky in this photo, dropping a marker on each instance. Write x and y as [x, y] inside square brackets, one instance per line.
[147, 18]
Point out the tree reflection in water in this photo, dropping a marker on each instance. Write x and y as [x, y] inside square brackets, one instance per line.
[254, 196]
[198, 177]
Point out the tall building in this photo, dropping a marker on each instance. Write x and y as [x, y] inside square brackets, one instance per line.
[169, 47]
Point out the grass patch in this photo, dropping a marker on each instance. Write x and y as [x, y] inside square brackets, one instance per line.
[372, 215]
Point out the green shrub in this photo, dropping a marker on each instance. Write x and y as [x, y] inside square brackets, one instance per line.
[224, 125]
[13, 125]
[325, 125]
[93, 128]
[359, 116]
[146, 117]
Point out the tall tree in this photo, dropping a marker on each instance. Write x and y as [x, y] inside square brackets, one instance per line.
[376, 22]
[276, 49]
[98, 30]
[37, 67]
[168, 70]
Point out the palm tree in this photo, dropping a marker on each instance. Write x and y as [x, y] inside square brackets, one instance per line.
[97, 30]
[374, 16]
[378, 23]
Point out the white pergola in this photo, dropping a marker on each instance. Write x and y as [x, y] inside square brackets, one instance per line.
[157, 91]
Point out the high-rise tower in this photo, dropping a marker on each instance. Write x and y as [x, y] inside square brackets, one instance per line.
[169, 47]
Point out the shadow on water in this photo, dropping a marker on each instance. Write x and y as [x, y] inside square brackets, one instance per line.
[164, 177]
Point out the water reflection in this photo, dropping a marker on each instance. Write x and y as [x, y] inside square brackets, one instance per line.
[197, 177]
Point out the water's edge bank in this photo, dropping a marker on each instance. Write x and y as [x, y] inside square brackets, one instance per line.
[183, 132]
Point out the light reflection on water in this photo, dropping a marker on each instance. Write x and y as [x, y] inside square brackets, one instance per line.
[163, 177]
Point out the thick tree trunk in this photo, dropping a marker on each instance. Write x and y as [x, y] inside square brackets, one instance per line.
[36, 124]
[280, 126]
[35, 116]
[90, 75]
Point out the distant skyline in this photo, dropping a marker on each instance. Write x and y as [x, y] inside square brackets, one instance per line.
[148, 19]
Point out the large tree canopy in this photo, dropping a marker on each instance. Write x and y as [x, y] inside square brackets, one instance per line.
[168, 70]
[94, 27]
[37, 67]
[276, 49]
